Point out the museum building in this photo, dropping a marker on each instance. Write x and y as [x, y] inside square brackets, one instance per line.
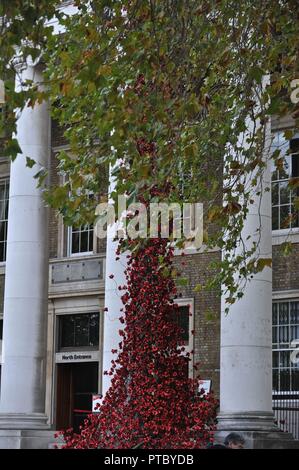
[56, 339]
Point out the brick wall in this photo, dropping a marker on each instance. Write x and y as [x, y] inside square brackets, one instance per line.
[286, 269]
[57, 137]
[53, 216]
[207, 330]
[58, 140]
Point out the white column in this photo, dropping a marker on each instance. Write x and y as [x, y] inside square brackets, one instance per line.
[113, 302]
[22, 404]
[246, 332]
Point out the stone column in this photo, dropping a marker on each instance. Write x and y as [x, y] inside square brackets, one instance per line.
[246, 339]
[23, 380]
[113, 302]
[246, 333]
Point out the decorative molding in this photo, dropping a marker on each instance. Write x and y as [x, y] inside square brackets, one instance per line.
[77, 276]
[285, 294]
[194, 251]
[285, 235]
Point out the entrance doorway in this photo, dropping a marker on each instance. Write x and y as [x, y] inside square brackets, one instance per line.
[76, 382]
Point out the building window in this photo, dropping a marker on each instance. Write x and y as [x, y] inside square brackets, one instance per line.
[284, 214]
[183, 316]
[80, 240]
[285, 331]
[80, 331]
[4, 199]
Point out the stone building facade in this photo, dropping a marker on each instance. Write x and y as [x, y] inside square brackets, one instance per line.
[77, 288]
[56, 339]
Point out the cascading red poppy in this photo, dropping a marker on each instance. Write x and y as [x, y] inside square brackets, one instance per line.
[151, 401]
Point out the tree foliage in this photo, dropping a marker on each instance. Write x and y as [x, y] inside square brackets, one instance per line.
[184, 76]
[174, 92]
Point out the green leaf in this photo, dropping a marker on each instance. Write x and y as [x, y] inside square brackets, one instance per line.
[182, 281]
[198, 288]
[286, 248]
[41, 176]
[30, 162]
[12, 149]
[262, 263]
[288, 134]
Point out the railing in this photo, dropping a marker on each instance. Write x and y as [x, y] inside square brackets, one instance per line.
[286, 411]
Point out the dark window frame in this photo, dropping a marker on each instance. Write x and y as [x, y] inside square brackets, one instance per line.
[4, 206]
[282, 196]
[285, 329]
[77, 317]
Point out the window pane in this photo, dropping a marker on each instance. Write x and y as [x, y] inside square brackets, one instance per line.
[294, 312]
[274, 335]
[275, 200]
[275, 221]
[180, 316]
[274, 313]
[285, 380]
[81, 330]
[275, 357]
[285, 217]
[2, 251]
[275, 380]
[295, 165]
[295, 216]
[284, 334]
[90, 243]
[283, 313]
[284, 193]
[75, 242]
[67, 335]
[94, 330]
[285, 171]
[6, 210]
[84, 242]
[4, 195]
[274, 173]
[284, 359]
[183, 322]
[295, 380]
[294, 145]
[2, 192]
[294, 332]
[82, 239]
